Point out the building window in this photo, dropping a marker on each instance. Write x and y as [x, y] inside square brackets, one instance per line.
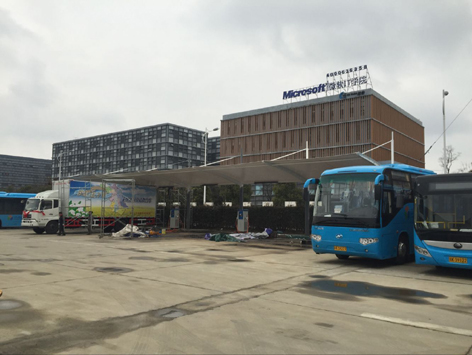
[279, 119]
[295, 118]
[242, 125]
[249, 124]
[313, 114]
[263, 123]
[256, 124]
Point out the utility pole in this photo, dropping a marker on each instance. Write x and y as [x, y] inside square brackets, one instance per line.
[445, 93]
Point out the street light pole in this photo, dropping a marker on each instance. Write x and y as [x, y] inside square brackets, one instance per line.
[60, 163]
[205, 141]
[445, 93]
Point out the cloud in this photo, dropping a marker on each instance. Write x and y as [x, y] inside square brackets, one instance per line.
[73, 69]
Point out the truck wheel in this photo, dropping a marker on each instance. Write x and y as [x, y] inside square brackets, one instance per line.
[38, 230]
[342, 257]
[51, 227]
[403, 250]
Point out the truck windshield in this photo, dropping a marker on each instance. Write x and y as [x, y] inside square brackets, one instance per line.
[32, 204]
[445, 212]
[346, 199]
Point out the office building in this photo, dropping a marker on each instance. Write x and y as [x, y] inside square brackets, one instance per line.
[17, 172]
[164, 146]
[332, 125]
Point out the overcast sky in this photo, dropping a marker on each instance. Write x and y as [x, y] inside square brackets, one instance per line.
[72, 69]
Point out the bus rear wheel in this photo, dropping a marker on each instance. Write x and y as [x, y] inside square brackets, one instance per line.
[342, 257]
[38, 230]
[403, 250]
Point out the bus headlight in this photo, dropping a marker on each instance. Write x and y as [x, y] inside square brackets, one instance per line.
[316, 237]
[422, 251]
[365, 241]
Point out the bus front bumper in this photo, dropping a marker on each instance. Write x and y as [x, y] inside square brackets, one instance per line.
[443, 257]
[371, 250]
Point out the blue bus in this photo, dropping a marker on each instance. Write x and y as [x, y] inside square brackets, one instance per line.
[443, 220]
[11, 208]
[364, 211]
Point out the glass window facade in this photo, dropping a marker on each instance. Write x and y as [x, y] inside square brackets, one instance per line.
[163, 147]
[20, 171]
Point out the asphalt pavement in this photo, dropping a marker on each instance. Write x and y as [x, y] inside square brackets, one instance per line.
[80, 294]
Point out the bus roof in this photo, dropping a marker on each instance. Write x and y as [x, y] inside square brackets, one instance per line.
[444, 183]
[379, 169]
[4, 194]
[447, 177]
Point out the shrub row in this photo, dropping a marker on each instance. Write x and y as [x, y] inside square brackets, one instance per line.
[284, 219]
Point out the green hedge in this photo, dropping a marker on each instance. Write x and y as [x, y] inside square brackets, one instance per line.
[284, 219]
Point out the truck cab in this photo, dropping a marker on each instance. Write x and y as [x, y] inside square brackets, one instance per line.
[42, 212]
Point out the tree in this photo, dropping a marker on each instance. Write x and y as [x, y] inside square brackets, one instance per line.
[220, 194]
[451, 157]
[287, 192]
[466, 168]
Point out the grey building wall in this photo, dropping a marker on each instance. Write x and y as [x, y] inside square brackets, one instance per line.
[164, 146]
[22, 171]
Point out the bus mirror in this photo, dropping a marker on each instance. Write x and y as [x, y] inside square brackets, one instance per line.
[309, 188]
[378, 179]
[377, 192]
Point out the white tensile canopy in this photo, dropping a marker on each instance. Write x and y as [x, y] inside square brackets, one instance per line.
[281, 171]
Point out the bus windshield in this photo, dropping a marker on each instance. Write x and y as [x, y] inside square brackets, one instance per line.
[446, 212]
[32, 204]
[346, 199]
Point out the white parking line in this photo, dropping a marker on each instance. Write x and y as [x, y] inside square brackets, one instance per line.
[430, 326]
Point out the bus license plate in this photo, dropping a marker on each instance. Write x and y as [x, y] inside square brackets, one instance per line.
[340, 248]
[453, 259]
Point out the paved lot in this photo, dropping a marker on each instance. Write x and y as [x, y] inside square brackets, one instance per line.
[83, 295]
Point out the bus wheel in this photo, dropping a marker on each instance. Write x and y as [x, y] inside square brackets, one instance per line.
[403, 250]
[38, 230]
[342, 257]
[51, 227]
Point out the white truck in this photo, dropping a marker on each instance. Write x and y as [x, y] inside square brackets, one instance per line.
[112, 205]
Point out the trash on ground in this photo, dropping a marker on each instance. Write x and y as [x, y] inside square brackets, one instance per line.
[238, 237]
[129, 232]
